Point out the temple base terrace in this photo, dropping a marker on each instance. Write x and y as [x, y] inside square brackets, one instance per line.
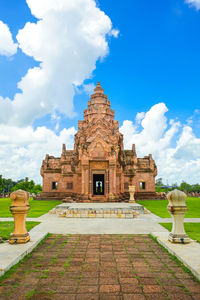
[99, 210]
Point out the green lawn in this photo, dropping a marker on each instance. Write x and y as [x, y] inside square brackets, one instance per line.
[159, 207]
[192, 229]
[6, 228]
[37, 208]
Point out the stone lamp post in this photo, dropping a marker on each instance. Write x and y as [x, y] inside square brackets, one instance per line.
[177, 208]
[131, 192]
[19, 208]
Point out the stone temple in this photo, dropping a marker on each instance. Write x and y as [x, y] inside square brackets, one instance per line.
[98, 169]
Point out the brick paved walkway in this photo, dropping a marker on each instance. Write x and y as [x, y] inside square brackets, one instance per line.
[80, 267]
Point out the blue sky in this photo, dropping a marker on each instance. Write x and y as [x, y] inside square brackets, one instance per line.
[154, 59]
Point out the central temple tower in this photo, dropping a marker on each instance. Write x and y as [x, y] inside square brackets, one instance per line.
[98, 169]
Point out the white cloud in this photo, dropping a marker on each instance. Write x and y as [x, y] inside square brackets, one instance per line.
[89, 88]
[195, 3]
[194, 119]
[115, 32]
[7, 46]
[67, 40]
[23, 149]
[56, 118]
[174, 146]
[139, 117]
[153, 123]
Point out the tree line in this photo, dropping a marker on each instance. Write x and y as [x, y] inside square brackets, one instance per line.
[8, 185]
[183, 186]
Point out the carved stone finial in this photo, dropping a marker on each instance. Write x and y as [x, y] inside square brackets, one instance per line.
[177, 208]
[131, 192]
[19, 209]
[63, 149]
[19, 198]
[176, 198]
[98, 89]
[133, 149]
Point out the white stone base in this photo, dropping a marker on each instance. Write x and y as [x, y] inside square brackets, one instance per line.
[180, 239]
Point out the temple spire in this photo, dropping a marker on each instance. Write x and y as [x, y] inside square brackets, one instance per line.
[98, 105]
[98, 89]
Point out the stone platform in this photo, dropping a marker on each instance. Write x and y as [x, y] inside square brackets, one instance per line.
[98, 210]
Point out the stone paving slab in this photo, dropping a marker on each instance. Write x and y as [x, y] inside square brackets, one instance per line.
[12, 219]
[189, 254]
[12, 254]
[142, 224]
[186, 220]
[99, 267]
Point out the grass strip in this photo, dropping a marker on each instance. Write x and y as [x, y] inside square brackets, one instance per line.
[159, 207]
[192, 229]
[37, 207]
[7, 227]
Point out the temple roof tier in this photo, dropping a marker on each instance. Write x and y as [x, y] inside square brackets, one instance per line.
[99, 105]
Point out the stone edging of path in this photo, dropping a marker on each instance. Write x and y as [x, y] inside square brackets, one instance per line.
[10, 255]
[188, 254]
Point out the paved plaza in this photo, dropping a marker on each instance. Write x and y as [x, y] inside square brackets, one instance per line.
[99, 267]
[99, 258]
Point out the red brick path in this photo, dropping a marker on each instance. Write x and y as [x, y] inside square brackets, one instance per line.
[99, 267]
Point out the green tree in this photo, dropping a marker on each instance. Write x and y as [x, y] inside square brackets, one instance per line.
[196, 188]
[2, 184]
[37, 189]
[9, 184]
[28, 186]
[159, 182]
[184, 186]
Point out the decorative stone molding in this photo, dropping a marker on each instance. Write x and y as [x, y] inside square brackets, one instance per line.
[131, 192]
[177, 208]
[19, 208]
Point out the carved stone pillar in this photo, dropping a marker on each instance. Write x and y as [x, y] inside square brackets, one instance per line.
[112, 181]
[122, 182]
[82, 180]
[85, 180]
[131, 192]
[90, 183]
[177, 209]
[19, 209]
[107, 183]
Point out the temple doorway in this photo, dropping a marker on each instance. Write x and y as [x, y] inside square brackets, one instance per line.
[98, 184]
